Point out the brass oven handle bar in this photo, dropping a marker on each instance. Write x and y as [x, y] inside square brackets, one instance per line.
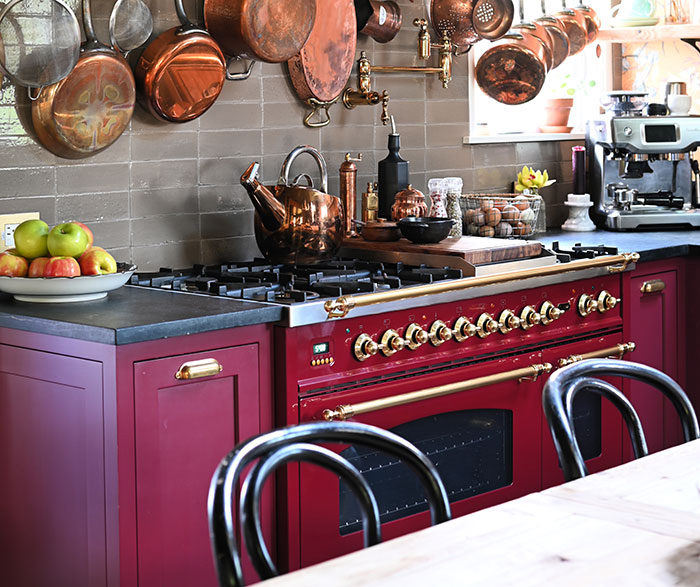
[653, 286]
[340, 307]
[197, 369]
[344, 412]
[619, 350]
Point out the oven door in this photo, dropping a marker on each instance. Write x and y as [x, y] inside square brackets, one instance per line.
[598, 424]
[485, 442]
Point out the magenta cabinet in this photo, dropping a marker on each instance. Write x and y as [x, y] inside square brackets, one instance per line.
[653, 320]
[107, 457]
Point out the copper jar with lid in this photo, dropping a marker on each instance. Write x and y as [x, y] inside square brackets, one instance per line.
[409, 202]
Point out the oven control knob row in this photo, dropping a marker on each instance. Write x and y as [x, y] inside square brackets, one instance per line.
[365, 347]
[549, 313]
[439, 333]
[463, 329]
[415, 336]
[607, 301]
[529, 317]
[486, 325]
[391, 343]
[507, 321]
[586, 305]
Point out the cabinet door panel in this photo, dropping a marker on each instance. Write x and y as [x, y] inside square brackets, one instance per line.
[51, 447]
[183, 429]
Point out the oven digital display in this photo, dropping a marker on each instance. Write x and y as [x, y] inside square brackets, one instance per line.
[660, 133]
[321, 348]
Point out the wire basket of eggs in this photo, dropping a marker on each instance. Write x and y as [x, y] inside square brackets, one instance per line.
[501, 215]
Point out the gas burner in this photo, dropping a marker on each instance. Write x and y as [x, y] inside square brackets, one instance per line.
[289, 284]
[579, 251]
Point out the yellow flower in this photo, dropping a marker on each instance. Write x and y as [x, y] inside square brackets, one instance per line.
[530, 179]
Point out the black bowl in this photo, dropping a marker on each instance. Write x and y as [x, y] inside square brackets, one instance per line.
[425, 230]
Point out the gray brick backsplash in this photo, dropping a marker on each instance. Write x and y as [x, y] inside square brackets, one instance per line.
[169, 194]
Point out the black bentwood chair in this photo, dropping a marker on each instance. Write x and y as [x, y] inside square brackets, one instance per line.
[276, 448]
[564, 384]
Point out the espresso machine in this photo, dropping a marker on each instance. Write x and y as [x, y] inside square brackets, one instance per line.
[641, 171]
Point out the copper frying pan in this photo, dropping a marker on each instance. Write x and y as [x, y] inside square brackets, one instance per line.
[261, 30]
[89, 109]
[322, 68]
[181, 73]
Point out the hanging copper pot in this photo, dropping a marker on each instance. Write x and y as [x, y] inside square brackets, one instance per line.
[558, 36]
[592, 21]
[576, 28]
[538, 31]
[379, 19]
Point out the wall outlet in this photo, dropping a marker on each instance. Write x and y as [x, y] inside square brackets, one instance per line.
[8, 223]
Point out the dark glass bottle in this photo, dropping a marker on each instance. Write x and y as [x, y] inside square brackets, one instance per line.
[393, 174]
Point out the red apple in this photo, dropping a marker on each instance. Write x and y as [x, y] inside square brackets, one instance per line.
[38, 267]
[30, 238]
[67, 240]
[62, 267]
[97, 261]
[13, 265]
[91, 237]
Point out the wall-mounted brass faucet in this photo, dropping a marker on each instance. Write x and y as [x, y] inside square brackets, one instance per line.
[364, 94]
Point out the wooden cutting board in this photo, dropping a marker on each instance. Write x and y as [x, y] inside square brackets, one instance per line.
[476, 250]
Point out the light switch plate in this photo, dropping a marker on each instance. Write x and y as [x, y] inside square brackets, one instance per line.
[8, 223]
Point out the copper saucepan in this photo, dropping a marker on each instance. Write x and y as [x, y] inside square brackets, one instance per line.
[592, 21]
[181, 73]
[468, 21]
[557, 34]
[576, 28]
[379, 19]
[89, 109]
[538, 31]
[262, 30]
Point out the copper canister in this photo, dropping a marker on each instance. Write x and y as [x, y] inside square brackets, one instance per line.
[409, 202]
[348, 191]
[370, 203]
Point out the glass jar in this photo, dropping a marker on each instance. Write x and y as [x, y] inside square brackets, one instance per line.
[454, 210]
[438, 197]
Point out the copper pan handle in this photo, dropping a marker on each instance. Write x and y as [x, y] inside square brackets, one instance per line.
[241, 75]
[316, 107]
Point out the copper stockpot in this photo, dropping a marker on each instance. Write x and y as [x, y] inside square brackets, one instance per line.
[294, 223]
[576, 28]
[557, 34]
[89, 109]
[538, 30]
[513, 69]
[262, 30]
[468, 21]
[379, 19]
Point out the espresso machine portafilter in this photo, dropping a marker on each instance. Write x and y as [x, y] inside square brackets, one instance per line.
[642, 174]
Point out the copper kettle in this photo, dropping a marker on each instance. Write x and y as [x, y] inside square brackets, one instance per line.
[295, 223]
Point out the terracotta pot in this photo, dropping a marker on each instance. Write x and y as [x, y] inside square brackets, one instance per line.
[556, 113]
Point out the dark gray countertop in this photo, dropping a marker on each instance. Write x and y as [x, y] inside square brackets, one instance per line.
[131, 314]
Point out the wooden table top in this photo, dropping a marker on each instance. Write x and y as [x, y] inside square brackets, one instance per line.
[636, 524]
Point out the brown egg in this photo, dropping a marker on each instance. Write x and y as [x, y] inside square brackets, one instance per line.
[522, 229]
[500, 203]
[486, 204]
[487, 231]
[479, 218]
[469, 216]
[510, 214]
[493, 216]
[521, 202]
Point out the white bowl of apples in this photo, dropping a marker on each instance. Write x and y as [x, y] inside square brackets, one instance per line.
[60, 264]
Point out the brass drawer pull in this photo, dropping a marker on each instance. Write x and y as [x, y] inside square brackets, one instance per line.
[201, 368]
[653, 286]
[530, 373]
[617, 351]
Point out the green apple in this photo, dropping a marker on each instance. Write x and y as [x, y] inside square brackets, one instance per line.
[30, 238]
[91, 237]
[67, 240]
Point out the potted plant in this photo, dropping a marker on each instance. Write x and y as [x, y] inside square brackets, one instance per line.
[557, 108]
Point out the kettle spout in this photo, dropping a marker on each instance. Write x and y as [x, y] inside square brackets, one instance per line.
[271, 211]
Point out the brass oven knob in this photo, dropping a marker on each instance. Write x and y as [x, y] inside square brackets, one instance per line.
[529, 317]
[507, 321]
[391, 343]
[463, 329]
[486, 325]
[439, 333]
[586, 305]
[365, 347]
[549, 313]
[415, 336]
[606, 301]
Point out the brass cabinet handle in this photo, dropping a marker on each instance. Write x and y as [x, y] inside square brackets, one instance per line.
[344, 412]
[619, 350]
[653, 286]
[197, 369]
[340, 307]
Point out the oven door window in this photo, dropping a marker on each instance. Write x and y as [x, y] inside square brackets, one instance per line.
[472, 450]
